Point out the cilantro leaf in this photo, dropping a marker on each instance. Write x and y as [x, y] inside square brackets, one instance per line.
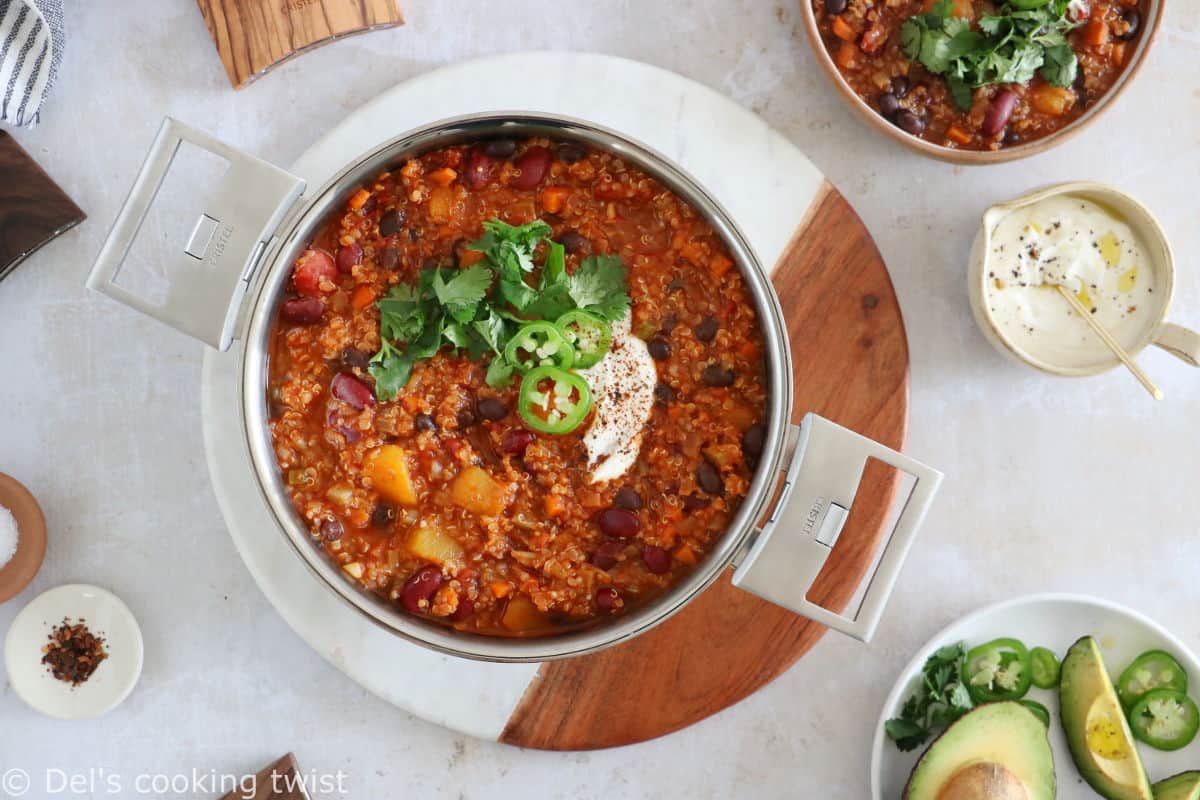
[940, 699]
[599, 286]
[461, 294]
[499, 373]
[1061, 65]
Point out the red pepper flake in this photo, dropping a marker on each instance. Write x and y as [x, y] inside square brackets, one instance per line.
[73, 652]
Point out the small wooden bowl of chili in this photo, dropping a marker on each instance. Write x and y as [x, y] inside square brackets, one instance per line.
[978, 81]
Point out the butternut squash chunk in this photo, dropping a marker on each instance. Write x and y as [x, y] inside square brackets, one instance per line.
[387, 467]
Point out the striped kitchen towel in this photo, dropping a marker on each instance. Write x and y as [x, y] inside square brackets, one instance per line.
[31, 47]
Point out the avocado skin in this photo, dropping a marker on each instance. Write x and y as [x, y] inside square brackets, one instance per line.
[1007, 727]
[1084, 678]
[1184, 786]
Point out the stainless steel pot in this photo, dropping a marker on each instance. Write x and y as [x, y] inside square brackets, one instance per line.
[231, 274]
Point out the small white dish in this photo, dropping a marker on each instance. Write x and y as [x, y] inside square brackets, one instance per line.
[1055, 621]
[105, 616]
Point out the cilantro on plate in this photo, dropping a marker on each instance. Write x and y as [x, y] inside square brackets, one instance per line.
[1028, 37]
[938, 701]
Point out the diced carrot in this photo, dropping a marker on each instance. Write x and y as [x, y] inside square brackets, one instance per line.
[555, 506]
[363, 296]
[846, 55]
[685, 555]
[501, 589]
[957, 134]
[1118, 54]
[359, 518]
[673, 513]
[554, 198]
[411, 404]
[720, 265]
[469, 257]
[359, 199]
[1096, 33]
[747, 349]
[842, 30]
[873, 39]
[692, 252]
[443, 177]
[1051, 100]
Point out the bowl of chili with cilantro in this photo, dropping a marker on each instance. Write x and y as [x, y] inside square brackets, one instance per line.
[981, 81]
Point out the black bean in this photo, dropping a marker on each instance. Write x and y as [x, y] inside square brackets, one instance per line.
[888, 104]
[570, 152]
[835, 6]
[424, 422]
[910, 122]
[900, 86]
[384, 515]
[353, 357]
[1133, 19]
[391, 222]
[706, 331]
[752, 440]
[332, 530]
[670, 323]
[676, 285]
[660, 348]
[628, 499]
[466, 418]
[718, 375]
[709, 479]
[493, 409]
[1011, 137]
[663, 394]
[572, 241]
[389, 258]
[500, 148]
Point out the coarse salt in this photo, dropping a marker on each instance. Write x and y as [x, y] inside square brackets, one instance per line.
[8, 536]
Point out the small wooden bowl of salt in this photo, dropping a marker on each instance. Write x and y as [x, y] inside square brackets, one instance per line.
[22, 537]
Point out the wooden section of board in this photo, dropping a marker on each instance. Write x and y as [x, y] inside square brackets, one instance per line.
[252, 36]
[280, 781]
[850, 359]
[33, 210]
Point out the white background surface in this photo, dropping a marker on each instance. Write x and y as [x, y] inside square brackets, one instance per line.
[1051, 484]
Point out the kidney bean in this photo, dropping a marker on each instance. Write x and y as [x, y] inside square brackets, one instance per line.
[515, 442]
[389, 258]
[1133, 19]
[709, 479]
[334, 420]
[628, 499]
[706, 331]
[313, 268]
[888, 104]
[349, 389]
[663, 394]
[383, 515]
[607, 554]
[420, 588]
[466, 607]
[348, 255]
[656, 559]
[479, 169]
[835, 6]
[900, 86]
[999, 112]
[752, 440]
[660, 348]
[353, 357]
[717, 375]
[910, 122]
[332, 530]
[424, 422]
[692, 503]
[619, 523]
[533, 164]
[570, 152]
[303, 310]
[391, 222]
[500, 148]
[572, 241]
[607, 598]
[492, 408]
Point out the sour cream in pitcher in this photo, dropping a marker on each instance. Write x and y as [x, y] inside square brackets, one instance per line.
[1070, 241]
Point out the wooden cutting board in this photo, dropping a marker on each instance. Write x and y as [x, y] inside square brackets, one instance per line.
[850, 361]
[252, 36]
[33, 209]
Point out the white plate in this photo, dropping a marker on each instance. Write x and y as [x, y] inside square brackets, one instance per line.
[1055, 621]
[112, 681]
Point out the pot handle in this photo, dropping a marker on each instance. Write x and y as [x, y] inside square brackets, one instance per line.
[1179, 342]
[820, 480]
[208, 278]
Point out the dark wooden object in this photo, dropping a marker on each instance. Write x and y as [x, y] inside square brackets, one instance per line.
[280, 781]
[33, 210]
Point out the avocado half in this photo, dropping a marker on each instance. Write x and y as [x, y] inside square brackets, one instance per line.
[998, 751]
[1097, 733]
[1184, 786]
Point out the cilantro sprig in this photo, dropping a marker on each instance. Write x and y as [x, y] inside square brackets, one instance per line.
[939, 700]
[478, 309]
[1027, 38]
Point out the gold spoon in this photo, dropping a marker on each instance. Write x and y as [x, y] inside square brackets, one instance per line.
[1108, 340]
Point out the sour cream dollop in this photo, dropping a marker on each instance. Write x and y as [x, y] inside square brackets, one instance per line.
[1073, 242]
[622, 385]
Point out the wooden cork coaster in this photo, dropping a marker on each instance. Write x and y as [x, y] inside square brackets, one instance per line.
[252, 36]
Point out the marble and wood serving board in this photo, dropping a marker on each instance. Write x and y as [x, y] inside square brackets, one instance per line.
[850, 364]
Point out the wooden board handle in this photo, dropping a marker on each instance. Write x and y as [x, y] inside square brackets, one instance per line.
[252, 36]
